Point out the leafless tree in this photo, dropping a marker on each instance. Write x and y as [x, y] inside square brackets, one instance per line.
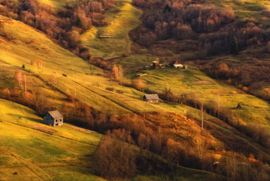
[40, 66]
[202, 112]
[18, 77]
[201, 146]
[92, 69]
[32, 61]
[120, 74]
[1, 24]
[25, 87]
[53, 79]
[115, 72]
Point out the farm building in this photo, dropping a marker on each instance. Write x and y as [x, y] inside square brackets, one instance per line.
[53, 118]
[239, 106]
[175, 64]
[155, 64]
[151, 98]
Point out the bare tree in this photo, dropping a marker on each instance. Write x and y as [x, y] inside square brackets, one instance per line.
[201, 146]
[40, 66]
[18, 77]
[232, 167]
[92, 69]
[53, 80]
[202, 114]
[32, 61]
[1, 24]
[115, 71]
[120, 74]
[139, 84]
[25, 87]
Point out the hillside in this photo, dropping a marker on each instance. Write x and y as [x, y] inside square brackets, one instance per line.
[201, 87]
[39, 152]
[34, 151]
[201, 33]
[122, 18]
[121, 137]
[20, 44]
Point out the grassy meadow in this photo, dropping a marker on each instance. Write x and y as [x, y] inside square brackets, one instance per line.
[29, 45]
[257, 10]
[40, 152]
[206, 89]
[122, 18]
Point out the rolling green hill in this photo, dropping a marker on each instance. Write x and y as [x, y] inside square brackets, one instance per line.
[122, 18]
[21, 44]
[40, 152]
[30, 150]
[206, 89]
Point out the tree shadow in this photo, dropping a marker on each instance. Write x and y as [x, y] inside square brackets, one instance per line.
[26, 117]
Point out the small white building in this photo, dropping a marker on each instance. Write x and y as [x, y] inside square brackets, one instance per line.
[178, 65]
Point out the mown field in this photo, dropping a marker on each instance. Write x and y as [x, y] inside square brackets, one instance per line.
[122, 18]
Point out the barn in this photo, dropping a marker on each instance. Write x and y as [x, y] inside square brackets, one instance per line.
[151, 98]
[53, 118]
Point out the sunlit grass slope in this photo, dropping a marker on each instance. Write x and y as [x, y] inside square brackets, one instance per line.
[255, 9]
[122, 18]
[32, 149]
[182, 81]
[23, 44]
[40, 152]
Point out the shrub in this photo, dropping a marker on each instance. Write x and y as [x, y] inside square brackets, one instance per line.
[119, 91]
[115, 159]
[79, 23]
[234, 47]
[110, 89]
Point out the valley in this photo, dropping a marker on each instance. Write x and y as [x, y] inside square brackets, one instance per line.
[103, 106]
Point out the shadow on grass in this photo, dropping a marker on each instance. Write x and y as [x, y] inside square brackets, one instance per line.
[26, 117]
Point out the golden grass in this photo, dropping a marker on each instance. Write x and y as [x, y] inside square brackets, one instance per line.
[122, 18]
[79, 81]
[180, 81]
[25, 144]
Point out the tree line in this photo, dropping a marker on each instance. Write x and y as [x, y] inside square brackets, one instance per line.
[195, 21]
[158, 152]
[62, 26]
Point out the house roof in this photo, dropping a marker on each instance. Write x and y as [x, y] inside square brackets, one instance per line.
[151, 96]
[177, 64]
[174, 63]
[55, 114]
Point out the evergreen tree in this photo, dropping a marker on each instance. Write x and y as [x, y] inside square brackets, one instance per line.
[234, 47]
[79, 23]
[23, 66]
[167, 8]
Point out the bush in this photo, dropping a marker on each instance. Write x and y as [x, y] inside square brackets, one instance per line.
[110, 89]
[114, 159]
[234, 47]
[119, 91]
[79, 23]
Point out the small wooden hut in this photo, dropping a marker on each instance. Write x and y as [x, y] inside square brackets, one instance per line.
[239, 106]
[53, 118]
[151, 98]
